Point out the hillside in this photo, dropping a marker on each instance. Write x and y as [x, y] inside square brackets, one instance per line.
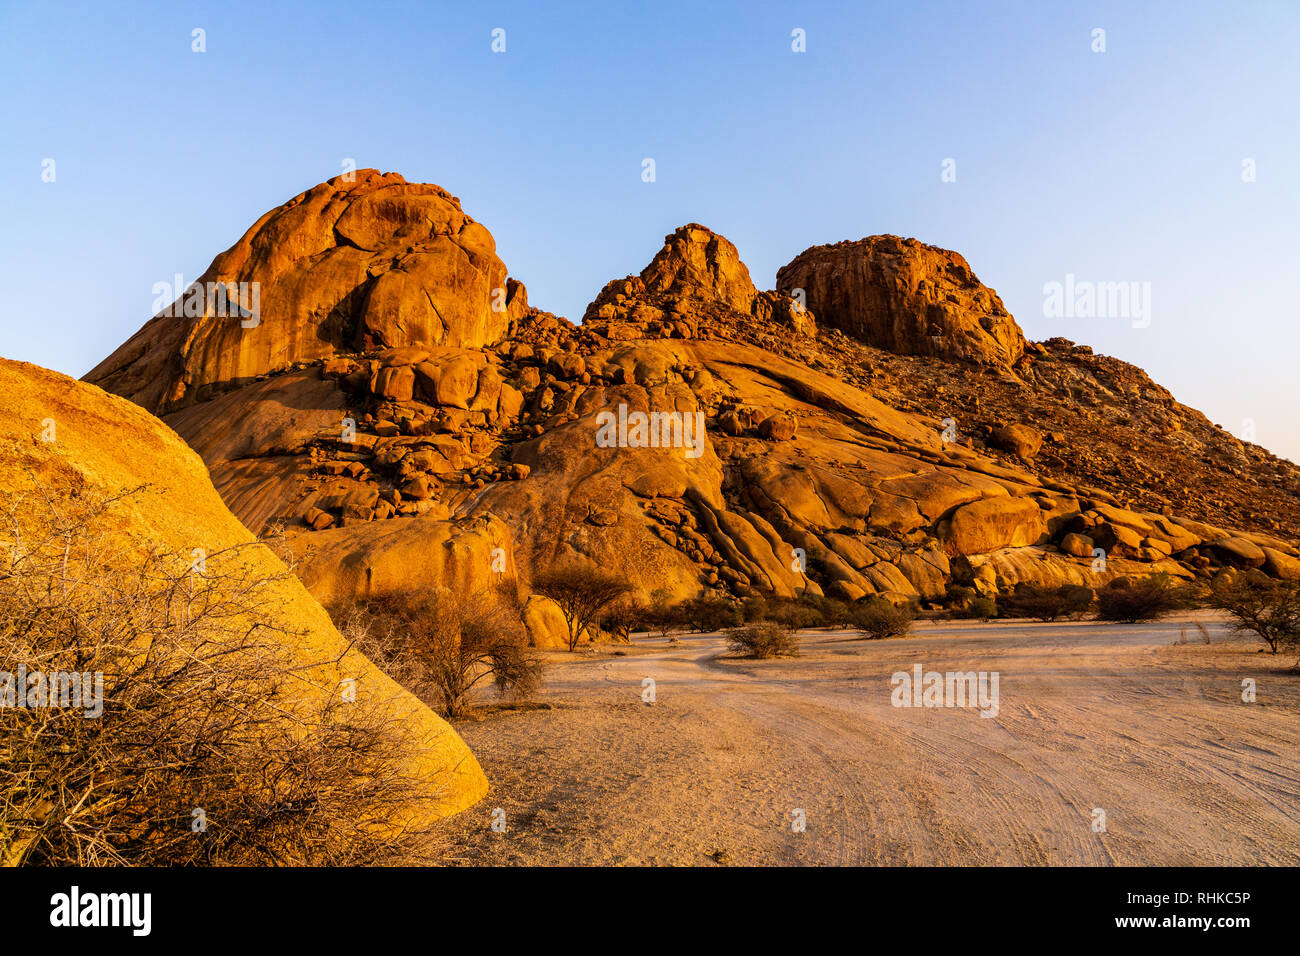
[879, 425]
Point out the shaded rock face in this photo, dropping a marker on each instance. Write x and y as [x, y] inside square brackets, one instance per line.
[371, 262]
[822, 465]
[161, 497]
[906, 297]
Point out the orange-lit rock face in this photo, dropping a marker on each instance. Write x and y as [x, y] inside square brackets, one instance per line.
[695, 262]
[906, 297]
[458, 446]
[344, 266]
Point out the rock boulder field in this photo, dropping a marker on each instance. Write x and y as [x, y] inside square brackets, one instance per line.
[408, 419]
[71, 440]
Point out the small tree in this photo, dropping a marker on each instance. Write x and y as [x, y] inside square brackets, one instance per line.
[582, 594]
[1268, 608]
[624, 617]
[442, 648]
[662, 614]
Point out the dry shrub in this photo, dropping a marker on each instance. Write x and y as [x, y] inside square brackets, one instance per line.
[879, 619]
[215, 745]
[965, 603]
[1146, 599]
[625, 617]
[1046, 603]
[441, 648]
[763, 640]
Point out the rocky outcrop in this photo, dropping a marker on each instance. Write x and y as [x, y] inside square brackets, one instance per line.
[366, 262]
[74, 438]
[697, 277]
[697, 263]
[773, 457]
[906, 297]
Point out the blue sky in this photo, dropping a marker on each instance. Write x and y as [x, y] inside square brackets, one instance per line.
[1117, 166]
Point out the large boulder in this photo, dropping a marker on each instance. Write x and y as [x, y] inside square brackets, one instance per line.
[905, 296]
[993, 523]
[1017, 439]
[161, 497]
[1280, 565]
[546, 625]
[470, 556]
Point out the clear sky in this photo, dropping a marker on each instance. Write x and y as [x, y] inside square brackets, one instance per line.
[1116, 166]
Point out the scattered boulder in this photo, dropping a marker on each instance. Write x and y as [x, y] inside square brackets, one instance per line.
[1078, 545]
[1239, 552]
[993, 523]
[780, 427]
[1281, 565]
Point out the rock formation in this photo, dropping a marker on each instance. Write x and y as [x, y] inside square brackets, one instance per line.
[72, 438]
[906, 297]
[893, 436]
[370, 261]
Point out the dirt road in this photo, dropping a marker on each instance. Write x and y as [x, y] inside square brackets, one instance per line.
[1091, 717]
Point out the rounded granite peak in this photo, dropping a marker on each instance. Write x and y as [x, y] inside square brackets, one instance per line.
[363, 260]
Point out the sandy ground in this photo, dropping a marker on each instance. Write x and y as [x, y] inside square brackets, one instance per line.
[1121, 718]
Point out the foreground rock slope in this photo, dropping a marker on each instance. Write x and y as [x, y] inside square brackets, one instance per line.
[879, 426]
[72, 439]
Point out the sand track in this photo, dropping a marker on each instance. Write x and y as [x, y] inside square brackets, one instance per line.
[1118, 718]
